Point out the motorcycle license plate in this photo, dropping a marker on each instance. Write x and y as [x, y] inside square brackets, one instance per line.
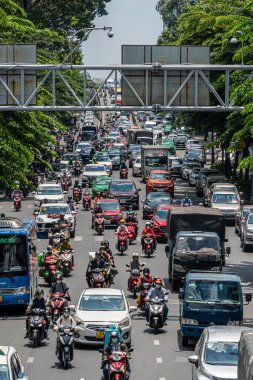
[99, 334]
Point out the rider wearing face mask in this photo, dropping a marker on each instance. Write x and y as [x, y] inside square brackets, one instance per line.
[38, 302]
[161, 293]
[59, 286]
[65, 320]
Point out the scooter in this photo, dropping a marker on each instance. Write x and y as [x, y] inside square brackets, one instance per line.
[56, 304]
[54, 239]
[65, 345]
[122, 242]
[133, 281]
[98, 278]
[144, 289]
[76, 195]
[51, 267]
[99, 224]
[86, 201]
[36, 326]
[66, 262]
[17, 204]
[148, 245]
[156, 308]
[132, 231]
[117, 366]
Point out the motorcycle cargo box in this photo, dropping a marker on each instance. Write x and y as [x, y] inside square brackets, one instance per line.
[40, 259]
[108, 332]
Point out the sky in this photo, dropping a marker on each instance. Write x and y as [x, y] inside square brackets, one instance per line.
[134, 22]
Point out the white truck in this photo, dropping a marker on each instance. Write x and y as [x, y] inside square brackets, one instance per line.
[153, 157]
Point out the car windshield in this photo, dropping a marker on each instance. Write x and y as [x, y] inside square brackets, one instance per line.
[161, 214]
[103, 181]
[83, 145]
[123, 187]
[212, 291]
[49, 191]
[4, 372]
[225, 198]
[158, 198]
[250, 219]
[13, 259]
[155, 161]
[64, 166]
[103, 158]
[176, 162]
[221, 353]
[109, 206]
[102, 303]
[54, 210]
[94, 169]
[197, 244]
[159, 176]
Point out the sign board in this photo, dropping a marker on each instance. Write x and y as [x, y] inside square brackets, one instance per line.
[165, 55]
[17, 54]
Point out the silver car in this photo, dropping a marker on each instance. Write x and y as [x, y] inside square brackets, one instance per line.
[216, 354]
[247, 232]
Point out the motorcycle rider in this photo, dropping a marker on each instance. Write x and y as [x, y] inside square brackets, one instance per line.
[96, 263]
[135, 263]
[106, 246]
[65, 320]
[186, 201]
[131, 218]
[146, 277]
[148, 230]
[123, 165]
[97, 198]
[109, 263]
[66, 246]
[112, 346]
[161, 293]
[123, 229]
[87, 190]
[38, 302]
[97, 210]
[61, 287]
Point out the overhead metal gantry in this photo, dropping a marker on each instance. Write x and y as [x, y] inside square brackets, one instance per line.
[22, 94]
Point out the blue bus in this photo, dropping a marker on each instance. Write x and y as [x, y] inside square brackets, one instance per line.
[18, 261]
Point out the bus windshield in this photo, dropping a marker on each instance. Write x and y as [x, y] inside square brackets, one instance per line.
[13, 258]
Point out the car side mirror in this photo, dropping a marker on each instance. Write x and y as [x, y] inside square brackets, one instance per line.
[193, 359]
[36, 213]
[72, 308]
[167, 249]
[228, 251]
[132, 309]
[33, 192]
[241, 193]
[181, 294]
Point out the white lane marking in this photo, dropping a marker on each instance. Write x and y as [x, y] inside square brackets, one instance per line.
[156, 343]
[162, 378]
[99, 238]
[30, 359]
[78, 238]
[29, 206]
[38, 239]
[159, 360]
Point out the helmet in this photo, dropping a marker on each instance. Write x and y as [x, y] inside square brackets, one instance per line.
[148, 224]
[146, 271]
[39, 292]
[66, 312]
[45, 201]
[122, 220]
[158, 283]
[106, 244]
[59, 277]
[87, 185]
[49, 248]
[61, 216]
[114, 337]
[135, 255]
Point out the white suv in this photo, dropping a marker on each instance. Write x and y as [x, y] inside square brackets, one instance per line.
[52, 192]
[10, 364]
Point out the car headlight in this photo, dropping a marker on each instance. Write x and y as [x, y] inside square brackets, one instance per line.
[125, 322]
[22, 290]
[40, 220]
[80, 322]
[186, 321]
[178, 268]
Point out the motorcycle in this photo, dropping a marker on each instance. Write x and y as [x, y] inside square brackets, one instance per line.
[99, 224]
[66, 262]
[86, 201]
[51, 267]
[17, 204]
[131, 226]
[123, 173]
[65, 186]
[65, 345]
[122, 242]
[36, 326]
[98, 278]
[148, 245]
[54, 239]
[117, 366]
[144, 289]
[77, 171]
[156, 308]
[133, 281]
[76, 195]
[56, 303]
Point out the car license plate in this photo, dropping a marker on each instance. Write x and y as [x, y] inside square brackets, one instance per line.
[100, 334]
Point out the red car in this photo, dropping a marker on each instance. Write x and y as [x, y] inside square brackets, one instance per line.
[159, 222]
[112, 211]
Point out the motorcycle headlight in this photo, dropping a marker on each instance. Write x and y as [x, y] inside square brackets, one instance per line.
[40, 220]
[186, 321]
[125, 322]
[22, 290]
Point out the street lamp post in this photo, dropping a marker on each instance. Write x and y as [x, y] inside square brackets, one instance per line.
[86, 32]
[234, 41]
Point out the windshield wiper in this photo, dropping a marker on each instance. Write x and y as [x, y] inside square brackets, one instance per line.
[201, 302]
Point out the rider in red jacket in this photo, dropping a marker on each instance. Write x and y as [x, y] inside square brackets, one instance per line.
[148, 230]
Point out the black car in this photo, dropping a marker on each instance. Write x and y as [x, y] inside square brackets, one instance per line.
[181, 141]
[86, 154]
[116, 157]
[152, 201]
[126, 192]
[202, 176]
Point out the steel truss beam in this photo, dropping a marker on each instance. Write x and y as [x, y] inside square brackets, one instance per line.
[53, 73]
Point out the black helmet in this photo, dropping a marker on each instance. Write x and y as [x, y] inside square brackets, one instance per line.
[66, 311]
[39, 292]
[146, 271]
[106, 243]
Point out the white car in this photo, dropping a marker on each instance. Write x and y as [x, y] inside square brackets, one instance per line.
[10, 364]
[104, 160]
[50, 191]
[137, 167]
[99, 308]
[50, 212]
[92, 171]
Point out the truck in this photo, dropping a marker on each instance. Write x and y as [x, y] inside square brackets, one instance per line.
[210, 298]
[139, 136]
[89, 132]
[196, 238]
[245, 355]
[153, 158]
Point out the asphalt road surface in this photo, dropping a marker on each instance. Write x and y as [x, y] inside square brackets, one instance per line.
[159, 357]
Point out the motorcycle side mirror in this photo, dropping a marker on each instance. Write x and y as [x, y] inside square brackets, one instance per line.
[36, 213]
[181, 294]
[127, 265]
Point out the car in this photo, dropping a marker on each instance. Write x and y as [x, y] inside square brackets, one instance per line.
[195, 155]
[187, 169]
[82, 146]
[216, 353]
[65, 168]
[70, 157]
[193, 175]
[174, 165]
[113, 135]
[180, 141]
[92, 171]
[111, 210]
[240, 218]
[115, 156]
[160, 180]
[152, 201]
[247, 232]
[190, 143]
[11, 367]
[135, 153]
[136, 171]
[97, 310]
[126, 192]
[52, 192]
[103, 159]
[200, 180]
[159, 222]
[100, 184]
[49, 212]
[131, 148]
[227, 202]
[210, 186]
[122, 148]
